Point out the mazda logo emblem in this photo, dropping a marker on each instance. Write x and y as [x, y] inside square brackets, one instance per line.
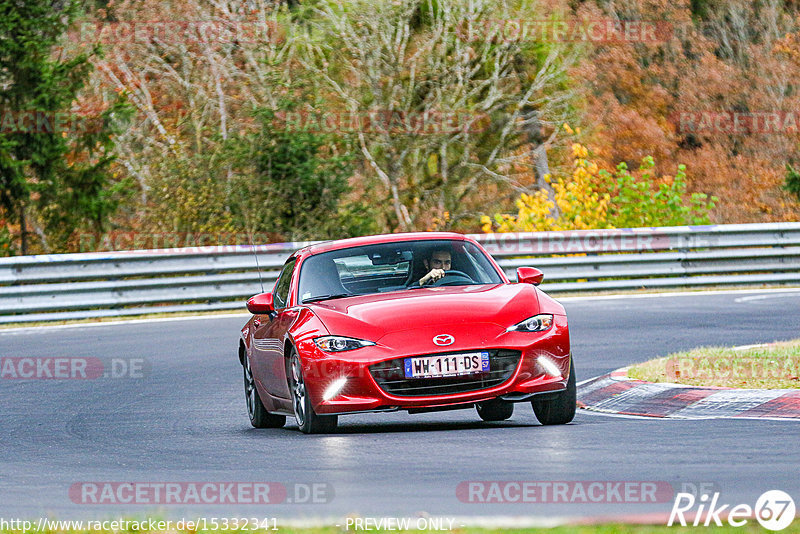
[443, 340]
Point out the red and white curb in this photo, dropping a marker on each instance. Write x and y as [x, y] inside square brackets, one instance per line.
[615, 393]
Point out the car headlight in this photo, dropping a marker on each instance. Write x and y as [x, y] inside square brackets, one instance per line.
[537, 323]
[340, 343]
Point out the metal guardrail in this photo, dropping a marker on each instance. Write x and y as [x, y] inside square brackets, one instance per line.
[90, 285]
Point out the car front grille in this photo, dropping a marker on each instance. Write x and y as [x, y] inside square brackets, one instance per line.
[391, 378]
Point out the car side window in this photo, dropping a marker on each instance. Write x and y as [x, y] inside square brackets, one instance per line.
[280, 296]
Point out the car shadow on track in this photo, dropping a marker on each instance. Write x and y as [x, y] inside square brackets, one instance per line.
[427, 426]
[388, 428]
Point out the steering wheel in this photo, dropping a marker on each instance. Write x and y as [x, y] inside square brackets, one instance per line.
[453, 278]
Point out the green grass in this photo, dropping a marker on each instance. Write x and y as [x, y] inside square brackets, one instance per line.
[775, 366]
[612, 528]
[608, 528]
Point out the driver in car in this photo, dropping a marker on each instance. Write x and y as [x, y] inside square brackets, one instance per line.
[439, 262]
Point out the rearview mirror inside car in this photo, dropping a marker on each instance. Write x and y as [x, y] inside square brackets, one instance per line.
[390, 257]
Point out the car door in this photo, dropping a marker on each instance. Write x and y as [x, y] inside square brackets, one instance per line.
[269, 336]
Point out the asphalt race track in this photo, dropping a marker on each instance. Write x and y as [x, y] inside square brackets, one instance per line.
[183, 420]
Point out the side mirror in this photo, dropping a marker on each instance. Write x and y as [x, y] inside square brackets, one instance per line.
[529, 275]
[260, 304]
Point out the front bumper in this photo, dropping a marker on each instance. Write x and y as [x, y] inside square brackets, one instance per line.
[363, 392]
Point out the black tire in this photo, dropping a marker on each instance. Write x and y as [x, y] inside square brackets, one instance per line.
[308, 421]
[559, 409]
[259, 416]
[495, 410]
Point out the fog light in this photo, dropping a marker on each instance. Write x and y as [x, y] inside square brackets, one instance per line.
[549, 367]
[334, 388]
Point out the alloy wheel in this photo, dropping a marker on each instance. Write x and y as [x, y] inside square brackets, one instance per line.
[249, 388]
[298, 392]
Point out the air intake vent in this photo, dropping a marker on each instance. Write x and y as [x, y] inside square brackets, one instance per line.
[391, 378]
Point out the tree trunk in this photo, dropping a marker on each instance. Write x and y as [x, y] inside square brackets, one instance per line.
[23, 234]
[541, 168]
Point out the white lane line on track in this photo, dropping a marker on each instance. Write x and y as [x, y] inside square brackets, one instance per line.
[38, 329]
[787, 293]
[591, 411]
[622, 296]
[25, 329]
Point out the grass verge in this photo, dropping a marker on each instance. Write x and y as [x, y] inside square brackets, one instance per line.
[773, 366]
[752, 526]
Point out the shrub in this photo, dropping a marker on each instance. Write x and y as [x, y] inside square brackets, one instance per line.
[645, 201]
[592, 198]
[792, 181]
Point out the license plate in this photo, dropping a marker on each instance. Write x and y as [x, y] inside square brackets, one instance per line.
[449, 365]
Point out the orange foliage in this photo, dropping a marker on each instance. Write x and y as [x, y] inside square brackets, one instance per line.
[636, 91]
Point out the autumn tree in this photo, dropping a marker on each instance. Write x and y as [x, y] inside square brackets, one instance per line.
[294, 183]
[665, 97]
[195, 72]
[453, 96]
[54, 158]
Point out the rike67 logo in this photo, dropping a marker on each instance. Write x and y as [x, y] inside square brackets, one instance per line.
[774, 510]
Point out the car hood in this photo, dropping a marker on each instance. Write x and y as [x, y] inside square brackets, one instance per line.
[373, 316]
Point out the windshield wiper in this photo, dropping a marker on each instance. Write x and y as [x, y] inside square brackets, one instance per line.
[327, 297]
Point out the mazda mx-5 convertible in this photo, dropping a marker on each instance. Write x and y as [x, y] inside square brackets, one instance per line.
[419, 322]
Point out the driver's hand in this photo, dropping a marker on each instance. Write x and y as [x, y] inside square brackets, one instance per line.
[432, 276]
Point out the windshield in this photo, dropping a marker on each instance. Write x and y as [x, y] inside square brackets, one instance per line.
[393, 267]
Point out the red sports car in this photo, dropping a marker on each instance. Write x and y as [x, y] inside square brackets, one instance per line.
[419, 322]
